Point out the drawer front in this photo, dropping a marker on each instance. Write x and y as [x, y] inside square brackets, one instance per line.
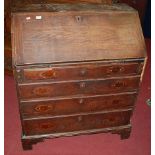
[75, 123]
[91, 87]
[80, 72]
[77, 105]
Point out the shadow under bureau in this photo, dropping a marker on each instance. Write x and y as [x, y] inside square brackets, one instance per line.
[78, 69]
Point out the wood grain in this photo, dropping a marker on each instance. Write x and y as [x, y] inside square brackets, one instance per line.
[87, 87]
[77, 68]
[79, 71]
[76, 123]
[64, 106]
[77, 36]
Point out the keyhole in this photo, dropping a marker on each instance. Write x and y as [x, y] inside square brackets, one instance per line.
[78, 18]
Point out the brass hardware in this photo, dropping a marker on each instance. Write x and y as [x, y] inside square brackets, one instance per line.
[19, 74]
[18, 70]
[81, 101]
[83, 72]
[82, 85]
[79, 118]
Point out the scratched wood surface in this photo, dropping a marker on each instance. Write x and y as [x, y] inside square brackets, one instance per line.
[77, 67]
[76, 36]
[76, 123]
[76, 105]
[86, 87]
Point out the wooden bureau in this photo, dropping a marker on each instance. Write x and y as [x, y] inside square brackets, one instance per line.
[78, 69]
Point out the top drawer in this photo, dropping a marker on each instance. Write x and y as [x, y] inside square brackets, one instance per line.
[77, 71]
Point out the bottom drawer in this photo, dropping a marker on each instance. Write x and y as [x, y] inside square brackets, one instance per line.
[76, 123]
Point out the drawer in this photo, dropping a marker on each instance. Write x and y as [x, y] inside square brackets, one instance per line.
[78, 72]
[77, 105]
[75, 123]
[87, 87]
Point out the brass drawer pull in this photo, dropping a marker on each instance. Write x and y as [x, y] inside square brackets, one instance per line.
[82, 85]
[43, 108]
[115, 69]
[83, 72]
[48, 74]
[79, 118]
[81, 101]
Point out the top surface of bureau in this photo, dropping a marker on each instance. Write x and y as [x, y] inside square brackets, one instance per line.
[83, 32]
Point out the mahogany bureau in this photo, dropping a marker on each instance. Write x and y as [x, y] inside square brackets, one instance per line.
[78, 69]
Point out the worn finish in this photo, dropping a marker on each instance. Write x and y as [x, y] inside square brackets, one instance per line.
[76, 123]
[78, 69]
[80, 72]
[64, 106]
[87, 87]
[18, 4]
[56, 31]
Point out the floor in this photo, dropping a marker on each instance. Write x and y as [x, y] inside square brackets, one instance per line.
[97, 144]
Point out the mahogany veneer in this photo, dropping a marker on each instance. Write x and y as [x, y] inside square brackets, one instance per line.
[78, 69]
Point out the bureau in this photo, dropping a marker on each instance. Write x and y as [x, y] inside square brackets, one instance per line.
[78, 69]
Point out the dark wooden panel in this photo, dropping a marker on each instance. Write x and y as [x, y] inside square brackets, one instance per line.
[76, 105]
[75, 123]
[89, 87]
[86, 34]
[79, 71]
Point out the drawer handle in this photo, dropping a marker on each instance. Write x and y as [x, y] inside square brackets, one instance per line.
[82, 85]
[79, 118]
[48, 74]
[83, 72]
[81, 101]
[115, 69]
[46, 125]
[40, 91]
[118, 84]
[43, 108]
